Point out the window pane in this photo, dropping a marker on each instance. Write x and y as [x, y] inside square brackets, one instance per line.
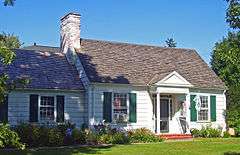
[203, 115]
[204, 101]
[120, 99]
[120, 107]
[47, 108]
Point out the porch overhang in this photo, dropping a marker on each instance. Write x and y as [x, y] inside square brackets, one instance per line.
[172, 90]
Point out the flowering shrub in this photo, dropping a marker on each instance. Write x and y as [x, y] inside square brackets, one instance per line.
[104, 134]
[143, 135]
[35, 135]
[67, 134]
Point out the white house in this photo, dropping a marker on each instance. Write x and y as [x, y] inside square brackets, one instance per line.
[167, 90]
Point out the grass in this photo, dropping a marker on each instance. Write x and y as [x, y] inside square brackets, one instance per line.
[198, 147]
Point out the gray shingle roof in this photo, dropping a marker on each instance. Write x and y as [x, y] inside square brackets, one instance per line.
[47, 69]
[125, 63]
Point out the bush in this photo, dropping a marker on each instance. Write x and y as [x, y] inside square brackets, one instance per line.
[55, 137]
[9, 138]
[43, 136]
[143, 135]
[67, 134]
[63, 127]
[110, 138]
[233, 116]
[79, 136]
[226, 134]
[195, 133]
[36, 136]
[104, 134]
[119, 138]
[105, 139]
[92, 138]
[32, 135]
[206, 132]
[237, 130]
[29, 134]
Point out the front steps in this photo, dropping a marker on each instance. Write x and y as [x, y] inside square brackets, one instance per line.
[176, 136]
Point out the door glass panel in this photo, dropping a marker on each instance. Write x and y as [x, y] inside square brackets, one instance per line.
[164, 114]
[164, 126]
[164, 108]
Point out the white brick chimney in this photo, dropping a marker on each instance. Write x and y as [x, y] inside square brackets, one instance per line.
[70, 35]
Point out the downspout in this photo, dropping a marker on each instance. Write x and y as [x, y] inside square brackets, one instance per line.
[153, 115]
[93, 105]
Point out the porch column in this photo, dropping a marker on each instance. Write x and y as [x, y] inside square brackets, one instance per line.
[158, 113]
[188, 115]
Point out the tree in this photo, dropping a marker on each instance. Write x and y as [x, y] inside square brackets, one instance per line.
[9, 2]
[7, 43]
[226, 58]
[226, 64]
[170, 42]
[233, 14]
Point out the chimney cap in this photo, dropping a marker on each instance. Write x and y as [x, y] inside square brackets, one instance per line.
[71, 13]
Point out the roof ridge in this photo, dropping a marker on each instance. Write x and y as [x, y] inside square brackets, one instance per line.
[117, 42]
[39, 46]
[22, 49]
[154, 46]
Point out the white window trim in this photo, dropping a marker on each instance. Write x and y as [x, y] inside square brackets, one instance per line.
[116, 92]
[55, 108]
[209, 110]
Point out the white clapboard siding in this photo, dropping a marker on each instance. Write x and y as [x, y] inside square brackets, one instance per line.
[144, 104]
[75, 109]
[220, 114]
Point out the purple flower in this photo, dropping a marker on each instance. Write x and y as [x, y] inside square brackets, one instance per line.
[69, 132]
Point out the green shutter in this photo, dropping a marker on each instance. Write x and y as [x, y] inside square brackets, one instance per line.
[132, 107]
[107, 107]
[193, 111]
[4, 111]
[60, 108]
[33, 108]
[213, 108]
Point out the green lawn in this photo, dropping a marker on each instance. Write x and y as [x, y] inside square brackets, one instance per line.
[198, 146]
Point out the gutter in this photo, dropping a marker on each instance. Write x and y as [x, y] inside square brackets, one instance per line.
[118, 84]
[62, 90]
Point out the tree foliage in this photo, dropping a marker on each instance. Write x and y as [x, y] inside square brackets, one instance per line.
[7, 43]
[9, 2]
[170, 42]
[226, 58]
[233, 14]
[7, 55]
[226, 62]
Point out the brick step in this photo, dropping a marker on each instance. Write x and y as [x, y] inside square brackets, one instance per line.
[176, 136]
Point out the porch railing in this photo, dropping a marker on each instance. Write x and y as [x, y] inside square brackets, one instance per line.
[183, 124]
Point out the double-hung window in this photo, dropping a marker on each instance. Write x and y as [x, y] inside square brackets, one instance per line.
[46, 108]
[120, 108]
[203, 113]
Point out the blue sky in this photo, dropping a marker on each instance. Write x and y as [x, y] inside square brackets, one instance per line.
[196, 24]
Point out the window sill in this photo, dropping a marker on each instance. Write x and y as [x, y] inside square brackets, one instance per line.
[203, 121]
[122, 124]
